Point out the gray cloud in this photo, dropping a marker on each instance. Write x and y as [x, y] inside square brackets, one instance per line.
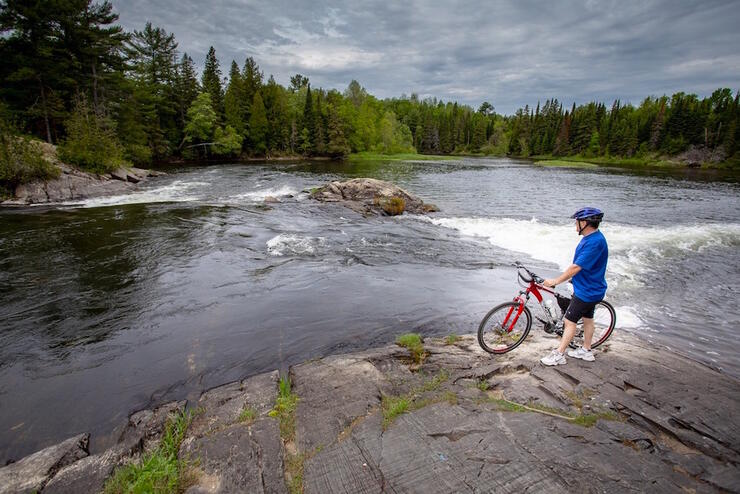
[508, 53]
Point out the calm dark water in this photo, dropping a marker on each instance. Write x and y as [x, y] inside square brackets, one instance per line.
[118, 304]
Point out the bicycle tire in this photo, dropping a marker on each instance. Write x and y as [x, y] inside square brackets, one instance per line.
[605, 318]
[506, 343]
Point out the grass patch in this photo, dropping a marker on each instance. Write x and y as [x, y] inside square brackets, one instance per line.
[506, 405]
[574, 164]
[419, 397]
[582, 419]
[393, 406]
[412, 341]
[248, 415]
[482, 385]
[452, 339]
[284, 410]
[159, 471]
[368, 156]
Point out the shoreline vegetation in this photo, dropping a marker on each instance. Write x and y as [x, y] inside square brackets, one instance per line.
[135, 99]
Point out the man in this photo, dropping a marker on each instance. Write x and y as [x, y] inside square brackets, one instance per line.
[589, 286]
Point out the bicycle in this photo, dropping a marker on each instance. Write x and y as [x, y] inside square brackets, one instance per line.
[507, 325]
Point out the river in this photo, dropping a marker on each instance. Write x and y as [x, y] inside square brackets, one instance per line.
[116, 304]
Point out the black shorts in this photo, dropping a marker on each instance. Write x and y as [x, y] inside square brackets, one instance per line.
[578, 309]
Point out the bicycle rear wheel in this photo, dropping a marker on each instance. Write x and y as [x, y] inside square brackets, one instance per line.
[604, 320]
[501, 330]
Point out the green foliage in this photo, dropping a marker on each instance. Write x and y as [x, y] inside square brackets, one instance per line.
[211, 81]
[158, 471]
[248, 415]
[21, 160]
[201, 119]
[421, 396]
[393, 406]
[412, 341]
[451, 339]
[284, 410]
[226, 142]
[258, 126]
[91, 142]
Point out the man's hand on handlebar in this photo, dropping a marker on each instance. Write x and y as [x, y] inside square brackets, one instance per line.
[550, 283]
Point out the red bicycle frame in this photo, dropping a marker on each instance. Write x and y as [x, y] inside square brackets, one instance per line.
[523, 297]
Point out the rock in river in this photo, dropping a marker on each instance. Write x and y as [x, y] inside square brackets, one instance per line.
[369, 196]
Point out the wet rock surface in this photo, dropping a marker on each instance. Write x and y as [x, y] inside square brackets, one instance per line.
[369, 196]
[74, 184]
[637, 419]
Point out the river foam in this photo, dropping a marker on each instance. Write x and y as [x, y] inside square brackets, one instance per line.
[632, 249]
[294, 245]
[177, 191]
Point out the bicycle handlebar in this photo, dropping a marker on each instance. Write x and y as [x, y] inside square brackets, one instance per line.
[532, 277]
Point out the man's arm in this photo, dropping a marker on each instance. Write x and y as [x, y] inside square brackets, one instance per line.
[567, 274]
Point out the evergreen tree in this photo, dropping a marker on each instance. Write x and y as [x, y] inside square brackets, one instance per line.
[258, 126]
[186, 87]
[479, 135]
[211, 82]
[337, 146]
[233, 107]
[252, 83]
[297, 82]
[309, 124]
[152, 54]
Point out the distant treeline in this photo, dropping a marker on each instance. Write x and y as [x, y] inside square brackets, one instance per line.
[71, 76]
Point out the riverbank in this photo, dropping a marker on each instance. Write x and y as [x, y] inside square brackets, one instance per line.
[448, 418]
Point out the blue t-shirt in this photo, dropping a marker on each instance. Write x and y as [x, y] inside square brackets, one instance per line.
[589, 284]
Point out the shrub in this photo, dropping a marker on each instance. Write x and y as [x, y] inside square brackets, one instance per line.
[91, 142]
[159, 470]
[21, 160]
[392, 206]
[412, 341]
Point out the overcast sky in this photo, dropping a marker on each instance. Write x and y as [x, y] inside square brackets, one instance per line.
[509, 53]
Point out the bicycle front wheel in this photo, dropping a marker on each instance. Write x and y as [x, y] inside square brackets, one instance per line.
[504, 328]
[604, 320]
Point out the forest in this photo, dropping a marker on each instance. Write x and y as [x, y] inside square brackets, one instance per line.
[73, 77]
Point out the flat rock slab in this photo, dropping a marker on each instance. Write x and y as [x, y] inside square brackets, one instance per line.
[657, 422]
[233, 452]
[638, 419]
[33, 472]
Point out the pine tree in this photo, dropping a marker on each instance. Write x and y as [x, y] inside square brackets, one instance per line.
[258, 126]
[479, 135]
[211, 82]
[319, 144]
[252, 83]
[338, 145]
[309, 124]
[233, 107]
[186, 86]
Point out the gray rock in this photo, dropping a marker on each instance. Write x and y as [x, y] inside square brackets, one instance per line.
[142, 433]
[119, 174]
[234, 455]
[368, 196]
[33, 472]
[74, 184]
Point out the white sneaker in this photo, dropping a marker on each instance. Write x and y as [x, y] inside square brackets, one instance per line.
[554, 358]
[582, 354]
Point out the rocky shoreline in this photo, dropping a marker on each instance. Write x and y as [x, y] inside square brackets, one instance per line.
[74, 184]
[453, 419]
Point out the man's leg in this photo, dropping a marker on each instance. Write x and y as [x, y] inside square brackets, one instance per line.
[569, 331]
[588, 332]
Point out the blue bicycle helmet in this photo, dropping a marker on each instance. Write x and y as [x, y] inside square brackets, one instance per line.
[588, 214]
